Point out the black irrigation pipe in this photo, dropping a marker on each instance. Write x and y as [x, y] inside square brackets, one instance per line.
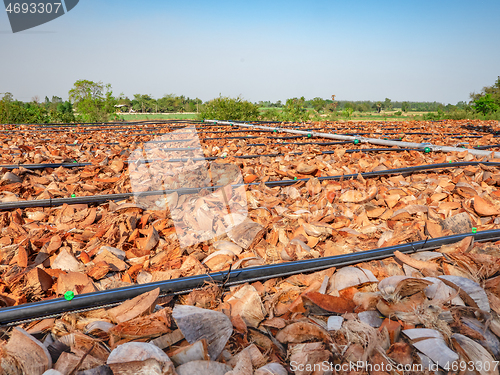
[90, 301]
[79, 165]
[487, 147]
[43, 166]
[115, 197]
[211, 158]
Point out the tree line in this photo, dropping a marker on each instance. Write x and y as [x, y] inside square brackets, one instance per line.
[94, 102]
[319, 104]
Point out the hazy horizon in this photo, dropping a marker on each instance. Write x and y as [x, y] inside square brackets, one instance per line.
[260, 51]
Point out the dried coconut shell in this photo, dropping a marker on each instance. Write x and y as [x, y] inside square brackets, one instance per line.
[271, 369]
[246, 302]
[194, 352]
[304, 168]
[134, 307]
[148, 326]
[356, 196]
[67, 362]
[484, 208]
[168, 339]
[203, 367]
[302, 331]
[347, 277]
[418, 264]
[85, 343]
[460, 223]
[417, 334]
[472, 352]
[324, 304]
[149, 366]
[439, 292]
[485, 336]
[246, 234]
[243, 365]
[470, 291]
[137, 351]
[394, 288]
[309, 355]
[227, 245]
[196, 324]
[255, 354]
[437, 350]
[30, 354]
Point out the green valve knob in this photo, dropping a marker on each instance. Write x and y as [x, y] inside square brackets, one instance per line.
[356, 141]
[474, 230]
[73, 195]
[427, 149]
[74, 161]
[295, 178]
[275, 131]
[69, 295]
[450, 161]
[309, 135]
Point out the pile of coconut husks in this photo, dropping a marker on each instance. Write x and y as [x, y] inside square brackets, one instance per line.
[428, 312]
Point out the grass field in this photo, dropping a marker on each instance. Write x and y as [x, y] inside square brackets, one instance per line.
[356, 116]
[157, 116]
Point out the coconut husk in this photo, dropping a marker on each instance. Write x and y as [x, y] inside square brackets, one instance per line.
[194, 352]
[472, 352]
[470, 291]
[302, 331]
[203, 367]
[196, 324]
[395, 288]
[135, 307]
[30, 354]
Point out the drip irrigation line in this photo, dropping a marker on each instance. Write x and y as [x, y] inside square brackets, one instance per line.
[486, 147]
[94, 199]
[43, 166]
[58, 306]
[211, 158]
[370, 140]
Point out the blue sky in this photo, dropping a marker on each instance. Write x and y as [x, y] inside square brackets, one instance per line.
[358, 50]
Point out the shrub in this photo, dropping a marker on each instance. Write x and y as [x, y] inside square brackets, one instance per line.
[224, 108]
[295, 110]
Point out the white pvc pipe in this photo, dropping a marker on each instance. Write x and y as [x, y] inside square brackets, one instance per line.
[375, 141]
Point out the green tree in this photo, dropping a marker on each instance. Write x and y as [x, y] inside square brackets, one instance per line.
[405, 106]
[318, 104]
[485, 104]
[225, 108]
[347, 112]
[295, 110]
[94, 101]
[387, 104]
